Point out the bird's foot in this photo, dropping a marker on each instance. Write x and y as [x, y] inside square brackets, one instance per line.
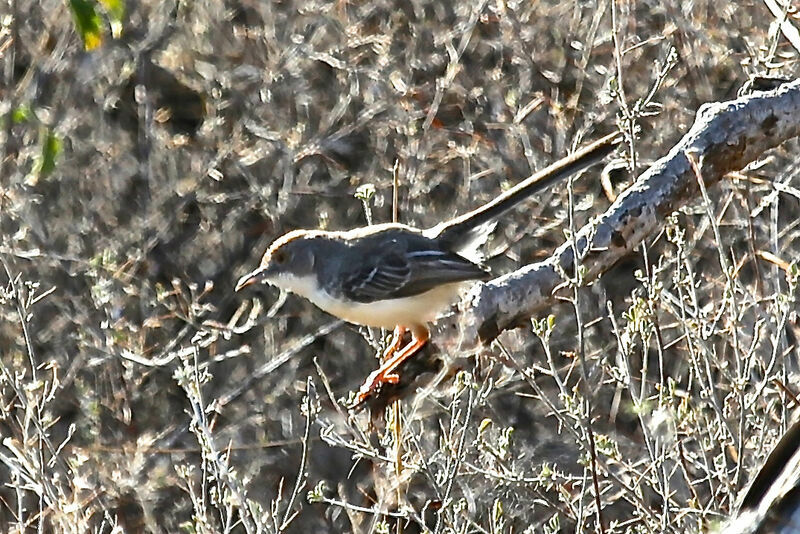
[373, 384]
[387, 372]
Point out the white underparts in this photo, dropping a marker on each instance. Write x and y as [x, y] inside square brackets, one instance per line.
[406, 311]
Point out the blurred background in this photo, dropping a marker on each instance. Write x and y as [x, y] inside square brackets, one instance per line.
[151, 151]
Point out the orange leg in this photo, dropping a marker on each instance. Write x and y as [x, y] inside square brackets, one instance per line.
[387, 373]
[397, 342]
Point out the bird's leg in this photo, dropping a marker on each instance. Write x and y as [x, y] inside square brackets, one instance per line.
[397, 342]
[387, 373]
[418, 340]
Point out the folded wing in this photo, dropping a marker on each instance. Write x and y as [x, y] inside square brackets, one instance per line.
[392, 273]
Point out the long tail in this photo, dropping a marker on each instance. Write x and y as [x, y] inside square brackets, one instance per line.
[458, 230]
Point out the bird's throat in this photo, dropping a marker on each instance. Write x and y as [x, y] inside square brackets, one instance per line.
[306, 286]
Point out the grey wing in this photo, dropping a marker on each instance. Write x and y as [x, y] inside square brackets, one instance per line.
[393, 274]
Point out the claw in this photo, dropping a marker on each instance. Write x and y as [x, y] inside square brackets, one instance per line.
[387, 373]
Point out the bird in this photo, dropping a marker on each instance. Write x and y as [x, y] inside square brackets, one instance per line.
[396, 276]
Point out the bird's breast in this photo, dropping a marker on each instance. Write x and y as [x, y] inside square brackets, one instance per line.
[388, 313]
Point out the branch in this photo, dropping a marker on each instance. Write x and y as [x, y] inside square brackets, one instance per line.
[772, 502]
[725, 137]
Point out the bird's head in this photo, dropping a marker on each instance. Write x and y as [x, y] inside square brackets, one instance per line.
[288, 263]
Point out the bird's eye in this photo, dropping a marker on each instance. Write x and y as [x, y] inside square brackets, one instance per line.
[279, 257]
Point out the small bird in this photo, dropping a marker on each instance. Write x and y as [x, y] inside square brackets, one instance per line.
[397, 276]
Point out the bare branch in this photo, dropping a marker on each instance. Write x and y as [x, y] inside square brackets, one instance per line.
[725, 137]
[771, 502]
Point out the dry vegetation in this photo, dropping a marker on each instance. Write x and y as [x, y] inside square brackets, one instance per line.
[140, 179]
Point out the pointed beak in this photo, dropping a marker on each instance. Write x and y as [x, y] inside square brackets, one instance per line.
[251, 278]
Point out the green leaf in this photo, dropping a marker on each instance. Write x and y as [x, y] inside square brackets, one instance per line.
[22, 114]
[51, 149]
[46, 160]
[115, 9]
[87, 22]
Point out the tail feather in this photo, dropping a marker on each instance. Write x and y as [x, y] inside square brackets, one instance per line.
[463, 232]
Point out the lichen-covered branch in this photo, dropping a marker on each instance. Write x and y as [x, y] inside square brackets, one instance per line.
[725, 137]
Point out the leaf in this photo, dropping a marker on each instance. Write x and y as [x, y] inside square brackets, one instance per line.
[21, 114]
[87, 22]
[45, 164]
[115, 9]
[51, 149]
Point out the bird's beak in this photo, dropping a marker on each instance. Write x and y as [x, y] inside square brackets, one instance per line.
[252, 278]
